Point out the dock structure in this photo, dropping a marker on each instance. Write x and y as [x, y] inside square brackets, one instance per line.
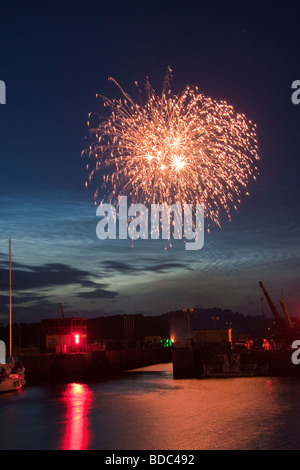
[91, 365]
[71, 349]
[214, 361]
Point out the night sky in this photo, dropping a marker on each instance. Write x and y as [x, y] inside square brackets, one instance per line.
[54, 58]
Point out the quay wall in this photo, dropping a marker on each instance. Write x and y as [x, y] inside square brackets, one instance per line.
[185, 364]
[280, 362]
[94, 365]
[194, 362]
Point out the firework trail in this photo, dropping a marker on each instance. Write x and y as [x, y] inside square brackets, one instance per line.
[185, 148]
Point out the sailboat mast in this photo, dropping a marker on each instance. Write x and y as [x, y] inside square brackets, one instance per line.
[10, 306]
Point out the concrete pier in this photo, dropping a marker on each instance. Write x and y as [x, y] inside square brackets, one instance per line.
[204, 362]
[95, 365]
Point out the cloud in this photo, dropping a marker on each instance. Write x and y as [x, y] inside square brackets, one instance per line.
[58, 258]
[140, 266]
[41, 288]
[97, 294]
[48, 275]
[118, 266]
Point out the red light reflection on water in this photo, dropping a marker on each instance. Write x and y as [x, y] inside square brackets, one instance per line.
[77, 397]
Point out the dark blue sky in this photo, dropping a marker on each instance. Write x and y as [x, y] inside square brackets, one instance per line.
[54, 58]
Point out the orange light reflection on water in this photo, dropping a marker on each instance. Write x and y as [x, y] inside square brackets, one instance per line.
[78, 398]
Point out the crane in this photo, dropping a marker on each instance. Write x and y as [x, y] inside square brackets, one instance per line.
[286, 313]
[278, 319]
[62, 312]
[286, 330]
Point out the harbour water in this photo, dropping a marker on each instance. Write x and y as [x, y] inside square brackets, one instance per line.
[148, 410]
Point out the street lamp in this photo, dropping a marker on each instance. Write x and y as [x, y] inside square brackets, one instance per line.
[189, 313]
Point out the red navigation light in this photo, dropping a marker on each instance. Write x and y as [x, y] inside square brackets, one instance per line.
[77, 338]
[77, 397]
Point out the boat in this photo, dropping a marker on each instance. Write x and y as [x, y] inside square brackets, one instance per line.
[11, 378]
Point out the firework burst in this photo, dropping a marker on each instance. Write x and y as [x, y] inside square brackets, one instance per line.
[185, 148]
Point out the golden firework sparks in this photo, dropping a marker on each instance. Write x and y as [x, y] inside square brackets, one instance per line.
[185, 148]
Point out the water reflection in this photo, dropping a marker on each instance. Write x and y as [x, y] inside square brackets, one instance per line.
[77, 398]
[148, 409]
